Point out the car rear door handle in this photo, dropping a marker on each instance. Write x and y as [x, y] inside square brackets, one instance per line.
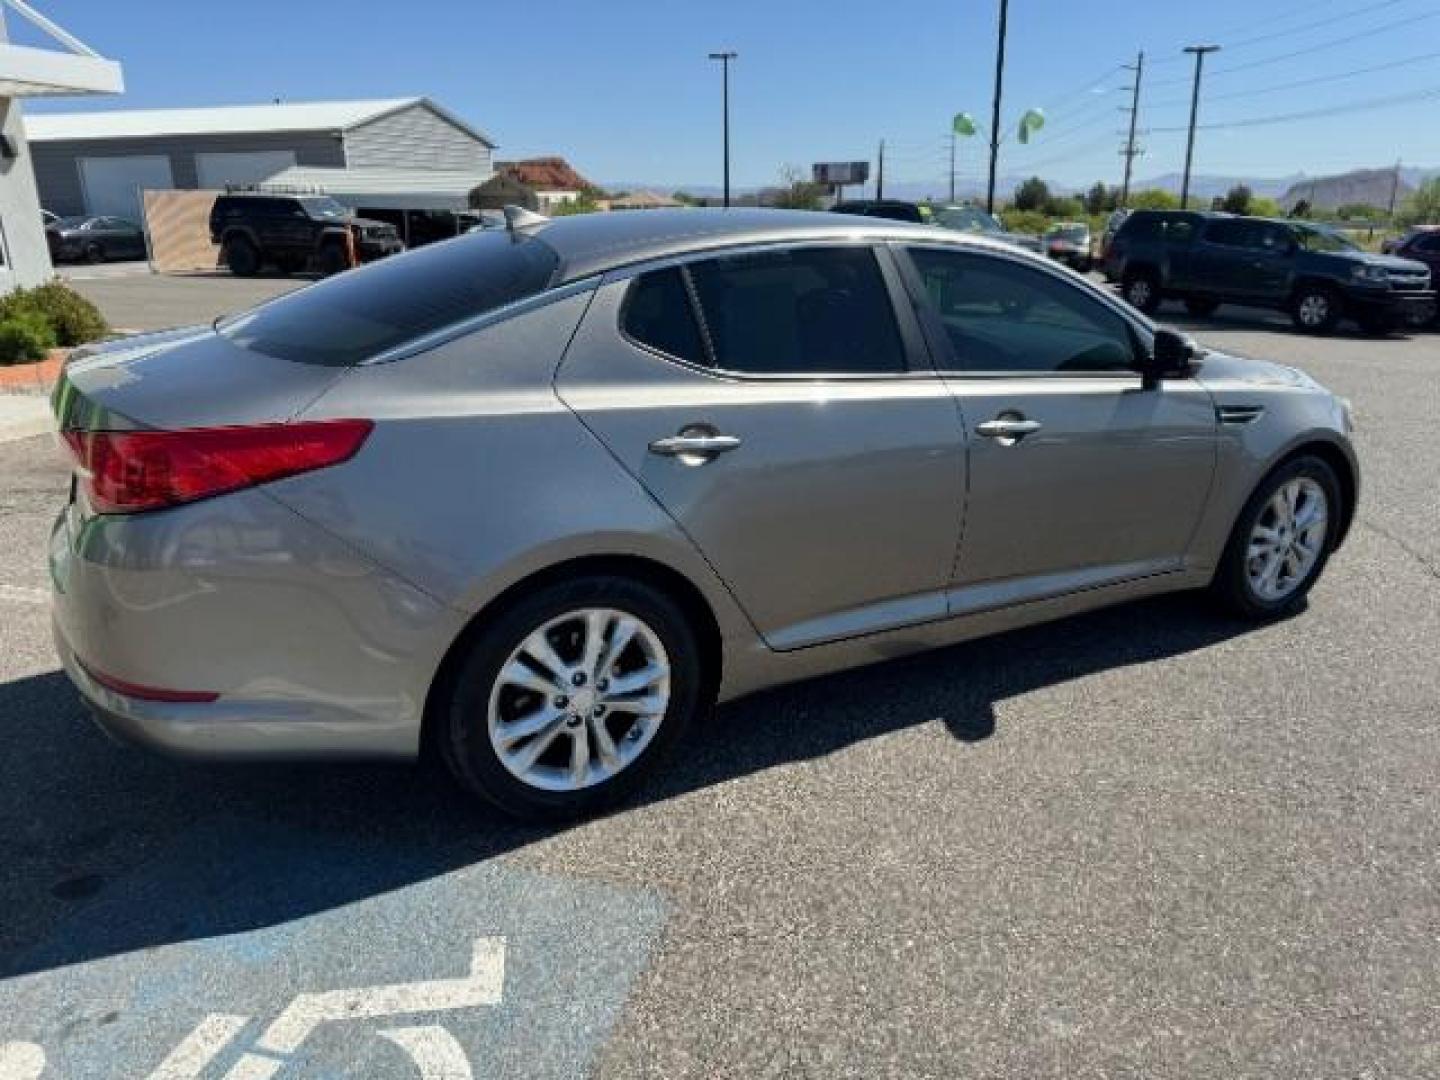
[1007, 428]
[706, 446]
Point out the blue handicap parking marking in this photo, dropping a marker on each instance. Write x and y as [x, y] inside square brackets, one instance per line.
[201, 967]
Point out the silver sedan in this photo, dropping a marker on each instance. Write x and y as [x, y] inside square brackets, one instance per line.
[537, 497]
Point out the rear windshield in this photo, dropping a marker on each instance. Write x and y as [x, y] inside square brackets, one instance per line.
[357, 314]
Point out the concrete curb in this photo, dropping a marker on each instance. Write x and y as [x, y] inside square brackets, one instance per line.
[23, 416]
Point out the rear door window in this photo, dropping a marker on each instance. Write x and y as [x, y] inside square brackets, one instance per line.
[805, 311]
[659, 315]
[358, 314]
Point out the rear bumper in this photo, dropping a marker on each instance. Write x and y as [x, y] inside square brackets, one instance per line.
[312, 650]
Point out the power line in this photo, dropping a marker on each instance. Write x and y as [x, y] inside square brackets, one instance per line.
[1307, 50]
[1315, 114]
[1389, 64]
[1245, 42]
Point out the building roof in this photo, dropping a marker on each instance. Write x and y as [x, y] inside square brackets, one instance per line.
[643, 200]
[417, 189]
[224, 120]
[545, 174]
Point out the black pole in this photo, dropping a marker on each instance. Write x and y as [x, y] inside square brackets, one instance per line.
[1130, 150]
[952, 163]
[1199, 51]
[725, 58]
[880, 173]
[995, 110]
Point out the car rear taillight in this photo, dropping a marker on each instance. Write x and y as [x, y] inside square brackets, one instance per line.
[127, 471]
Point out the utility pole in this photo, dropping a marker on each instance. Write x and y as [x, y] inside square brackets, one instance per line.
[1199, 51]
[880, 173]
[1130, 152]
[952, 163]
[995, 109]
[1394, 189]
[725, 58]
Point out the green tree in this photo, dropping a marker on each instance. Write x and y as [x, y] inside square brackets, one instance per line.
[1237, 200]
[1358, 211]
[1064, 206]
[1264, 206]
[686, 198]
[796, 192]
[1154, 199]
[1423, 207]
[1033, 194]
[1101, 199]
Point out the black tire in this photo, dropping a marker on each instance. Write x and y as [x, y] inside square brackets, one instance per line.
[1201, 308]
[461, 719]
[1232, 585]
[1315, 309]
[242, 257]
[94, 253]
[1141, 290]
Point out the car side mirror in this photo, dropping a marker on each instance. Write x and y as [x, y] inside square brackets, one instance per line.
[1170, 356]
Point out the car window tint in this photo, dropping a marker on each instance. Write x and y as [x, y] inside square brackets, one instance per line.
[1228, 232]
[351, 316]
[1179, 230]
[1001, 316]
[802, 311]
[658, 313]
[1429, 243]
[1268, 236]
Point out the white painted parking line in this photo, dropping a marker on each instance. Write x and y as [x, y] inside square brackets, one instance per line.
[21, 1061]
[212, 1035]
[435, 1052]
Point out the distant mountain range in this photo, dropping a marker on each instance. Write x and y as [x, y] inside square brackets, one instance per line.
[1324, 192]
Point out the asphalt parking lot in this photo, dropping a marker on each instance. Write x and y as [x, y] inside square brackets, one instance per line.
[1148, 842]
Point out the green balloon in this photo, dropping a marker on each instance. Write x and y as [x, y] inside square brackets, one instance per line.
[964, 124]
[1031, 122]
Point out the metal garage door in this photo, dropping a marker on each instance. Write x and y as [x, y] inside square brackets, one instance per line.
[113, 184]
[241, 167]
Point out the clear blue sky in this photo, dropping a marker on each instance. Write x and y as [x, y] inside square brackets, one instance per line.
[623, 89]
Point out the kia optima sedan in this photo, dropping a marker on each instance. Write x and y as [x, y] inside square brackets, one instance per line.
[537, 497]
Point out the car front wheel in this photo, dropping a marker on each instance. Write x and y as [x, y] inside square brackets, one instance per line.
[242, 257]
[1315, 310]
[1281, 541]
[569, 698]
[1141, 291]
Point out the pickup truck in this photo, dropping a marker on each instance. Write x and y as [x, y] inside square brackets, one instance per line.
[1318, 276]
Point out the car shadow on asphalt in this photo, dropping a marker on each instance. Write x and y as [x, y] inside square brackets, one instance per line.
[99, 842]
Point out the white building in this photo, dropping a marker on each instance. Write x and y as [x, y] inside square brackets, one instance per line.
[75, 68]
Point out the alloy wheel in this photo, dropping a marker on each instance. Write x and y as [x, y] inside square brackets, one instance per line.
[1314, 309]
[1139, 293]
[579, 699]
[1287, 539]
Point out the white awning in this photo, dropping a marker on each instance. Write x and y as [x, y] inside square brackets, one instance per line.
[30, 72]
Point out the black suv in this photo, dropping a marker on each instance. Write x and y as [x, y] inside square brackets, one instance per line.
[1209, 259]
[295, 232]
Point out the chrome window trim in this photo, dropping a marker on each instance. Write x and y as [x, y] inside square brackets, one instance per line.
[629, 272]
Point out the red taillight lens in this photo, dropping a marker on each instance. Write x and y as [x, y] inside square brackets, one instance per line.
[126, 471]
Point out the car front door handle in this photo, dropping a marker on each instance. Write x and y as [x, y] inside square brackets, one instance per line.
[1007, 428]
[703, 446]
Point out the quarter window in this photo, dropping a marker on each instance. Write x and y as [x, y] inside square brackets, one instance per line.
[804, 311]
[658, 313]
[1003, 317]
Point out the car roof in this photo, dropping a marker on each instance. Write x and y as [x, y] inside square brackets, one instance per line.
[594, 243]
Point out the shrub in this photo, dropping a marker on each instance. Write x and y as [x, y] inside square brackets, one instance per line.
[25, 337]
[72, 319]
[1024, 221]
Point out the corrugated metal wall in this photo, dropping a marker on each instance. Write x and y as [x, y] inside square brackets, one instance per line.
[416, 138]
[57, 170]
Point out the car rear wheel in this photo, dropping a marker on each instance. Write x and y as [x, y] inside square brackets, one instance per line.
[333, 259]
[1141, 291]
[1202, 308]
[1315, 310]
[1281, 541]
[242, 257]
[570, 697]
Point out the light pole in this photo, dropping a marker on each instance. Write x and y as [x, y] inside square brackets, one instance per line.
[725, 58]
[995, 110]
[1130, 152]
[1199, 51]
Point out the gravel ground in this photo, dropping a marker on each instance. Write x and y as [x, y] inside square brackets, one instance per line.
[1149, 842]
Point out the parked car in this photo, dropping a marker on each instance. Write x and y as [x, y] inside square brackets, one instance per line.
[1391, 245]
[536, 498]
[1069, 242]
[972, 219]
[1207, 259]
[94, 239]
[889, 209]
[295, 232]
[48, 217]
[1423, 246]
